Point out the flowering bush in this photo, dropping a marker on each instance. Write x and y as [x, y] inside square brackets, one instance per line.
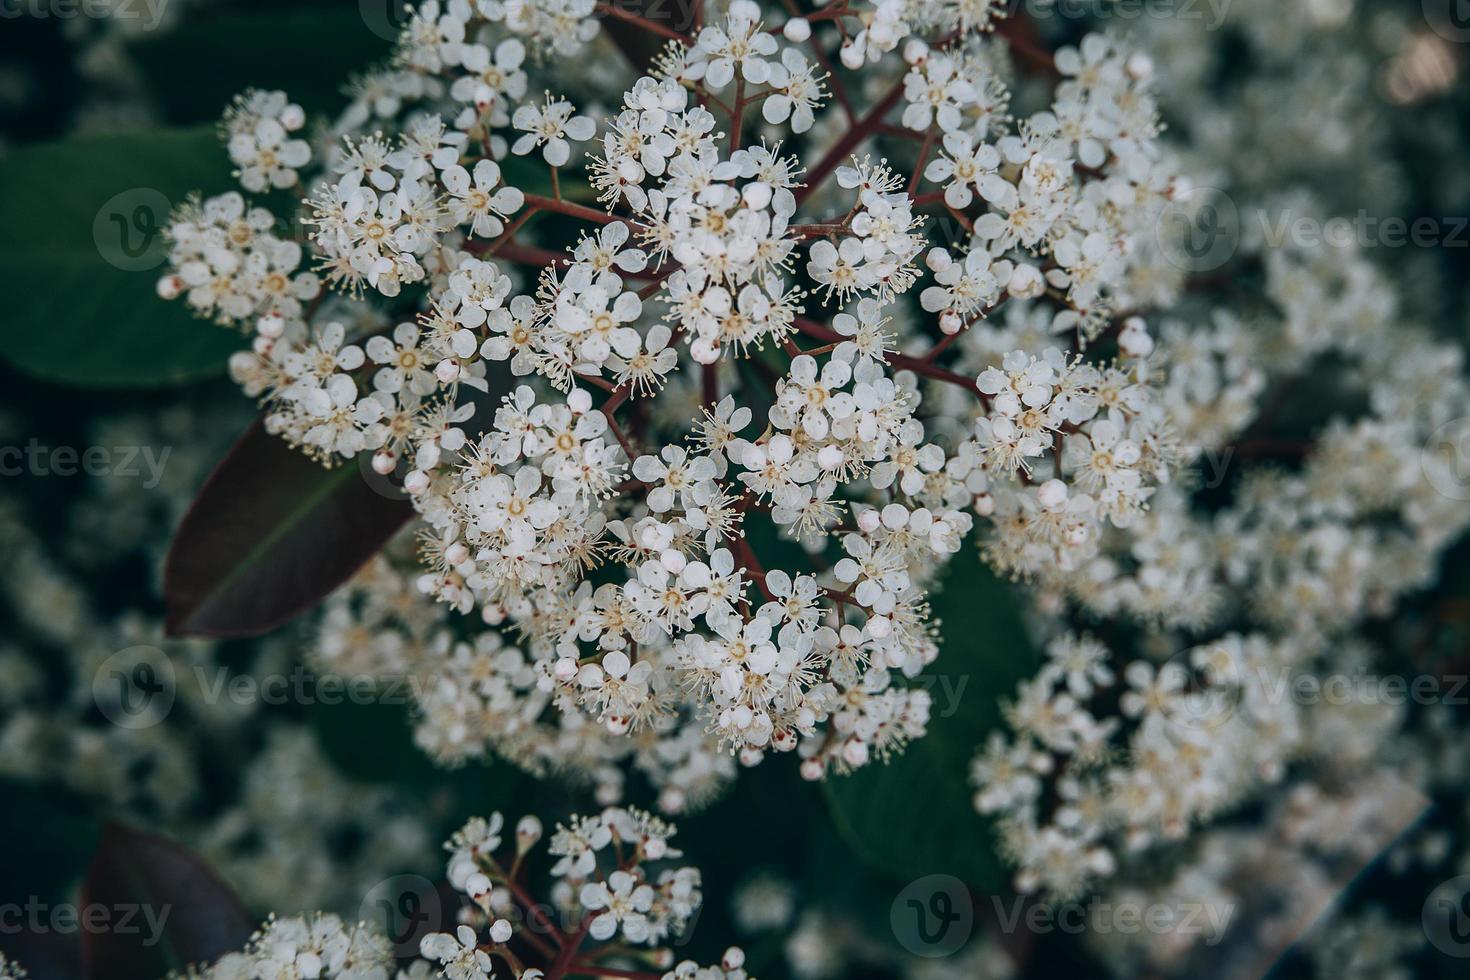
[750, 343]
[619, 900]
[650, 390]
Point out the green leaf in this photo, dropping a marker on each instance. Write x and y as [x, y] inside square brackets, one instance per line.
[196, 69]
[83, 249]
[914, 816]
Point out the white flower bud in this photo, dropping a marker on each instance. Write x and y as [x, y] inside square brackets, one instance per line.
[797, 29]
[169, 287]
[950, 322]
[851, 56]
[384, 462]
[564, 669]
[416, 482]
[811, 770]
[1026, 282]
[1134, 340]
[500, 931]
[447, 371]
[528, 832]
[1052, 494]
[457, 553]
[733, 959]
[855, 752]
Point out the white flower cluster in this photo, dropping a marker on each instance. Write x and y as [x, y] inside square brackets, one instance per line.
[257, 130]
[230, 265]
[314, 945]
[763, 393]
[609, 512]
[604, 889]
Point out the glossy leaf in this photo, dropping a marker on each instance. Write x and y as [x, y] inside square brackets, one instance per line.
[270, 535]
[83, 252]
[166, 909]
[914, 816]
[197, 68]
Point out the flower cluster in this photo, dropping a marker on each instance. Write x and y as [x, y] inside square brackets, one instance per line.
[698, 457]
[605, 889]
[612, 510]
[313, 945]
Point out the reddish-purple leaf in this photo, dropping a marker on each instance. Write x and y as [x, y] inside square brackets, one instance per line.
[164, 909]
[270, 535]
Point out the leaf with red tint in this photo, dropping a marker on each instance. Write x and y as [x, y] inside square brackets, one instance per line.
[164, 909]
[270, 535]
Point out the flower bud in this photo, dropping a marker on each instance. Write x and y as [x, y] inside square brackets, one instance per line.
[797, 29]
[528, 833]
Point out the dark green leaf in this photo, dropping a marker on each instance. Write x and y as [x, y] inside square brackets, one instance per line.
[83, 249]
[914, 816]
[197, 68]
[271, 534]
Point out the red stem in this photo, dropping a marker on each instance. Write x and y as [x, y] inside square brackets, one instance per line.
[859, 132]
[902, 361]
[613, 10]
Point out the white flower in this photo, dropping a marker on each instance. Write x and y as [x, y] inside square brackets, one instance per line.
[477, 204]
[551, 126]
